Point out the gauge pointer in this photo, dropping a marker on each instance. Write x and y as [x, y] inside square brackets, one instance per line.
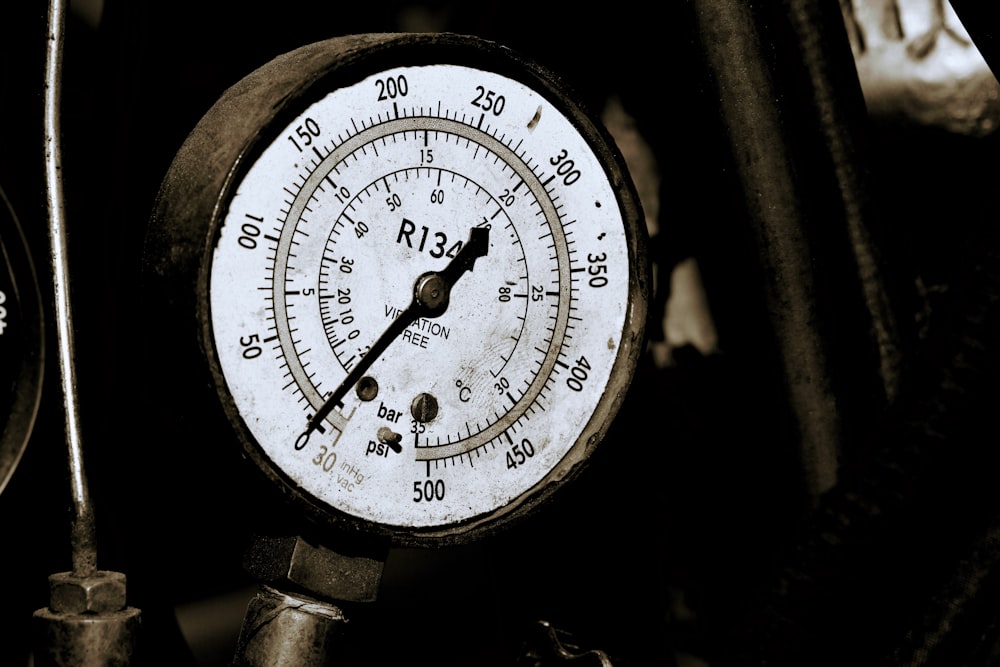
[431, 295]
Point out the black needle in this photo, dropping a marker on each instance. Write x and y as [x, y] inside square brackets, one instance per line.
[431, 294]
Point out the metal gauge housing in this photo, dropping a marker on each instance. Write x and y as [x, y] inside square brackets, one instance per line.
[420, 279]
[22, 342]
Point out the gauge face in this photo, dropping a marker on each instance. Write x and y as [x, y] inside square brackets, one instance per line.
[422, 297]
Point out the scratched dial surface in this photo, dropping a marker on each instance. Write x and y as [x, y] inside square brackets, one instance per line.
[462, 410]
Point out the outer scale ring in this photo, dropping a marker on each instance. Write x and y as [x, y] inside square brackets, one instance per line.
[199, 191]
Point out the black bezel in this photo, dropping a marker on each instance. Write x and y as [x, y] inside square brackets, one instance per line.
[22, 344]
[252, 114]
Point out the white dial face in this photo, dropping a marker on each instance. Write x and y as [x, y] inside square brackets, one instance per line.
[357, 381]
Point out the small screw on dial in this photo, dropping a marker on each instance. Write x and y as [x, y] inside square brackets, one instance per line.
[424, 408]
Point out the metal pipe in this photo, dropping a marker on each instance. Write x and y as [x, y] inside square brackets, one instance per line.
[791, 105]
[83, 538]
[747, 96]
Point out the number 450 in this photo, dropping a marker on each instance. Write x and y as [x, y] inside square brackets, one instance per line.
[518, 454]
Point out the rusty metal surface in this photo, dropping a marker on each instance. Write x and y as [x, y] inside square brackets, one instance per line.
[86, 640]
[284, 629]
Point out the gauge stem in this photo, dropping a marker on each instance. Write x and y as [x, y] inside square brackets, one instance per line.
[83, 540]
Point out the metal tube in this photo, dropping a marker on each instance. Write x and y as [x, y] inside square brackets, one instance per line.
[747, 97]
[83, 537]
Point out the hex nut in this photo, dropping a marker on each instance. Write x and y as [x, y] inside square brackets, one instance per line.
[101, 593]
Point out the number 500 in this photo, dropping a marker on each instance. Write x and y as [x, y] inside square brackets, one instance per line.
[428, 491]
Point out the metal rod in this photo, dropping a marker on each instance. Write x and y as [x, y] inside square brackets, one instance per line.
[747, 94]
[83, 540]
[828, 70]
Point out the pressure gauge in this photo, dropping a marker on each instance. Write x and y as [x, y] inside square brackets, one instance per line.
[420, 279]
[22, 342]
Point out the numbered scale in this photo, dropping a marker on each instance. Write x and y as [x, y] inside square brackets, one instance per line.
[419, 279]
